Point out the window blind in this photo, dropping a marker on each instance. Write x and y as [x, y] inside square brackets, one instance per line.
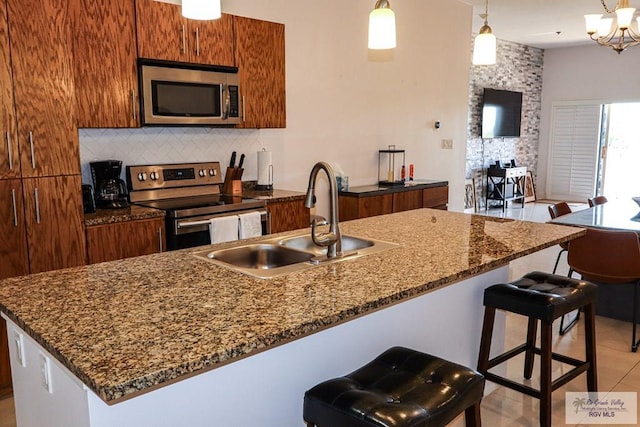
[573, 151]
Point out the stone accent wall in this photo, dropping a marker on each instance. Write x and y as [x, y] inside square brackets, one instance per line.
[518, 68]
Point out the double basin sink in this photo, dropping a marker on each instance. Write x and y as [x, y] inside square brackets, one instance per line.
[279, 256]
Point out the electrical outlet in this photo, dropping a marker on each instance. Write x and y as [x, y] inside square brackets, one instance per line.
[447, 144]
[19, 340]
[45, 372]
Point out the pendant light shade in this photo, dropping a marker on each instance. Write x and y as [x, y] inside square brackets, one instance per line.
[202, 10]
[382, 26]
[484, 48]
[484, 45]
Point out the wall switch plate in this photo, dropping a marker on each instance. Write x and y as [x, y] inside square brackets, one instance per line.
[45, 372]
[447, 144]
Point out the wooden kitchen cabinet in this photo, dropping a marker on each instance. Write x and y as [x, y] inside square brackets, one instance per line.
[163, 33]
[9, 156]
[55, 222]
[363, 207]
[41, 55]
[105, 54]
[436, 197]
[288, 215]
[14, 260]
[362, 202]
[407, 200]
[127, 239]
[260, 57]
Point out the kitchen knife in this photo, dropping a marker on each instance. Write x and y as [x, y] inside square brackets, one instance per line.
[232, 163]
[241, 162]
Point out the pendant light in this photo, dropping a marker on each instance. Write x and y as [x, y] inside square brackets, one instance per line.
[484, 45]
[202, 10]
[382, 26]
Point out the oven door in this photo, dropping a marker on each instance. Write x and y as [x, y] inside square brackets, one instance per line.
[194, 231]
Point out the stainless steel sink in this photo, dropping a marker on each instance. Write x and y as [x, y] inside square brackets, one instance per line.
[261, 256]
[273, 257]
[304, 243]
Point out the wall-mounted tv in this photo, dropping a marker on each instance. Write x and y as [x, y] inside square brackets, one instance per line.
[501, 113]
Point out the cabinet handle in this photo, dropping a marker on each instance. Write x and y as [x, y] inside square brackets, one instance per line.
[15, 208]
[184, 41]
[160, 245]
[244, 111]
[9, 152]
[35, 196]
[197, 42]
[133, 104]
[33, 156]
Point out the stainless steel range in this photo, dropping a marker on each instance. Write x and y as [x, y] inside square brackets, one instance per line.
[189, 193]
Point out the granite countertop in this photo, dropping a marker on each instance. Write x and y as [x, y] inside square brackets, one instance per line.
[131, 325]
[131, 213]
[135, 212]
[375, 189]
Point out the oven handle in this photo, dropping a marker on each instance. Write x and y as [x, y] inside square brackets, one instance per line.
[185, 224]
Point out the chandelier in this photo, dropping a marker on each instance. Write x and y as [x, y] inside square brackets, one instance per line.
[484, 45]
[617, 32]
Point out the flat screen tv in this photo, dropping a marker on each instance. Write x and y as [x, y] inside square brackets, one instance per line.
[501, 113]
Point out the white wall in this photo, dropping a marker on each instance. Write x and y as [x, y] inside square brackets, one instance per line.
[588, 72]
[344, 104]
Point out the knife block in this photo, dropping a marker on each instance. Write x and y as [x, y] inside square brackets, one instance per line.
[232, 181]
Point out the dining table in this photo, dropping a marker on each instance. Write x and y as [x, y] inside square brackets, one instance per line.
[614, 301]
[620, 214]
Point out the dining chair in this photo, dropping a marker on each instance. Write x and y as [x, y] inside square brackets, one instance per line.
[556, 210]
[598, 200]
[608, 257]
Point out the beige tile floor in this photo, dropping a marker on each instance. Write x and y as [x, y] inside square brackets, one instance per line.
[618, 367]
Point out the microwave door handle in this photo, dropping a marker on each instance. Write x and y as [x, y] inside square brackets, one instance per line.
[227, 102]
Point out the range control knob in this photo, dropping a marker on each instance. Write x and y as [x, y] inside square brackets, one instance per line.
[142, 176]
[154, 176]
[202, 173]
[212, 172]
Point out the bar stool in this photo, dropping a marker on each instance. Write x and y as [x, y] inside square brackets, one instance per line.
[400, 388]
[544, 297]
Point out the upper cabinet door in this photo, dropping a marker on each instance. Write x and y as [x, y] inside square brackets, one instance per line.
[9, 160]
[212, 41]
[164, 34]
[41, 54]
[261, 67]
[105, 64]
[162, 31]
[55, 222]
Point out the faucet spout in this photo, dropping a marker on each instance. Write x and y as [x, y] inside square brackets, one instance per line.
[333, 239]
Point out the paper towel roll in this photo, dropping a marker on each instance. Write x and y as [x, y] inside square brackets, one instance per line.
[265, 174]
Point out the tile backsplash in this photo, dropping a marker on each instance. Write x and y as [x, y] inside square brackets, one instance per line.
[168, 145]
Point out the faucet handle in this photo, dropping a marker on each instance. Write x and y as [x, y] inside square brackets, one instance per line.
[319, 220]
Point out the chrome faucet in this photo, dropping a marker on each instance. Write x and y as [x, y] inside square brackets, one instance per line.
[332, 239]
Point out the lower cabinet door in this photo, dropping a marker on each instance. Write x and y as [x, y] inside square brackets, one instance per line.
[120, 240]
[288, 215]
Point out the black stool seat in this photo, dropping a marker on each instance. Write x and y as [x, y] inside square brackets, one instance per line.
[400, 388]
[541, 295]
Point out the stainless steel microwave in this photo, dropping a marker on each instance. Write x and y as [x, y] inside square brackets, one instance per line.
[185, 95]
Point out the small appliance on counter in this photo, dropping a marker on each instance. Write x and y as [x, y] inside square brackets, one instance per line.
[88, 199]
[110, 190]
[265, 171]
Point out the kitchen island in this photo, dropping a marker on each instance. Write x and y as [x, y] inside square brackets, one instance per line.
[171, 339]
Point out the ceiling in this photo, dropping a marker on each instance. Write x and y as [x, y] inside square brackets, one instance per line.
[540, 23]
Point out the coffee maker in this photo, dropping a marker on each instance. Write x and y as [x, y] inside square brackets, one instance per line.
[110, 190]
